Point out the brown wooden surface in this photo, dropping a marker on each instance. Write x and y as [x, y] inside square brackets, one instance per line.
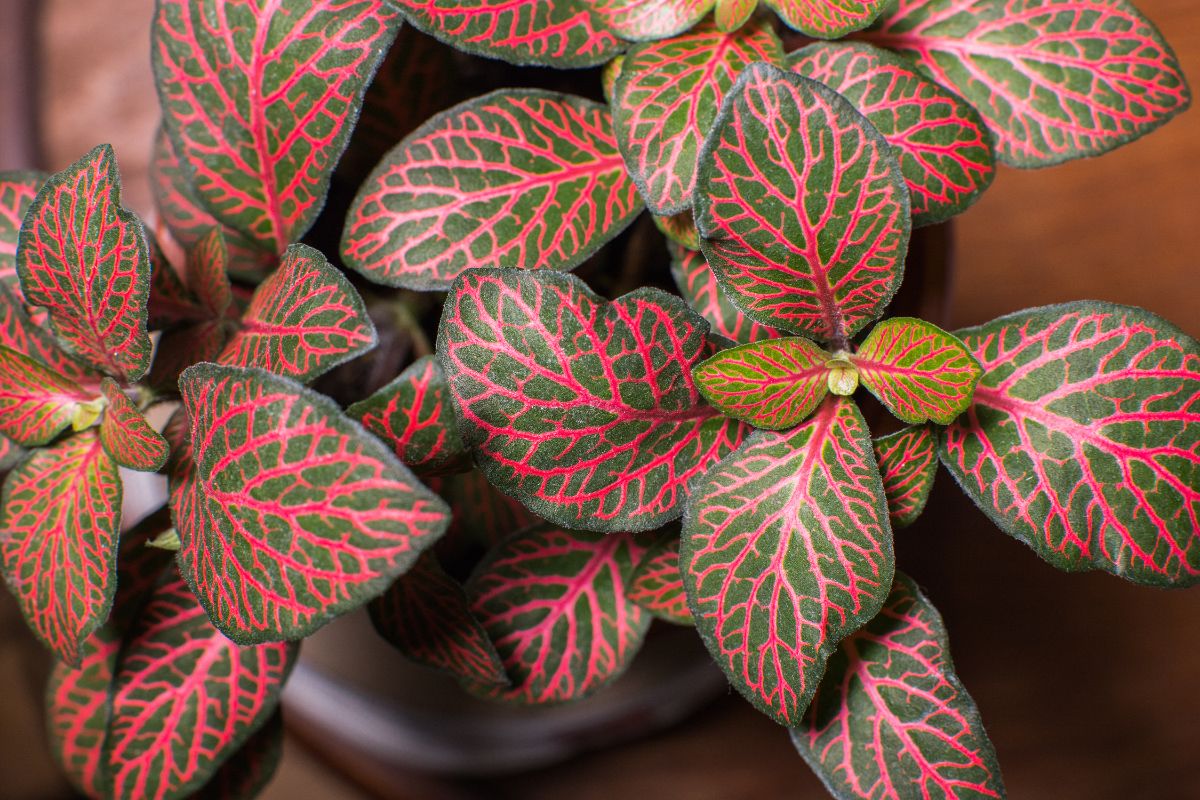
[1090, 687]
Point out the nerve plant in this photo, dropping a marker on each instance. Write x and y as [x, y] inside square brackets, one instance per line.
[558, 433]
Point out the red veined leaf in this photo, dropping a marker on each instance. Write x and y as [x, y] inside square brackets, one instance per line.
[516, 178]
[207, 272]
[251, 768]
[917, 370]
[774, 384]
[17, 190]
[680, 229]
[908, 464]
[18, 332]
[802, 209]
[78, 701]
[699, 288]
[554, 604]
[555, 33]
[608, 78]
[827, 19]
[84, 260]
[1054, 79]
[259, 101]
[302, 321]
[171, 301]
[667, 99]
[482, 514]
[733, 14]
[179, 348]
[188, 221]
[298, 514]
[58, 539]
[785, 552]
[657, 582]
[412, 415]
[891, 719]
[10, 453]
[36, 404]
[943, 145]
[582, 409]
[126, 435]
[139, 568]
[648, 20]
[1083, 439]
[426, 616]
[185, 697]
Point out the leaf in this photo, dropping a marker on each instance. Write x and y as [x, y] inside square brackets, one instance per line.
[413, 416]
[78, 701]
[787, 551]
[772, 385]
[699, 288]
[17, 190]
[125, 434]
[733, 14]
[648, 20]
[298, 514]
[516, 178]
[207, 267]
[19, 333]
[259, 101]
[555, 33]
[827, 19]
[482, 514]
[59, 520]
[83, 258]
[802, 210]
[35, 403]
[943, 145]
[554, 604]
[303, 320]
[185, 697]
[657, 582]
[179, 348]
[908, 464]
[667, 99]
[426, 616]
[251, 768]
[1054, 79]
[891, 719]
[1083, 439]
[680, 230]
[583, 410]
[917, 370]
[10, 454]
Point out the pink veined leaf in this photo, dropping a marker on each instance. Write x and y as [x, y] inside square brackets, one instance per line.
[773, 384]
[733, 14]
[648, 20]
[293, 514]
[908, 464]
[827, 19]
[259, 100]
[185, 697]
[125, 434]
[555, 33]
[36, 404]
[302, 321]
[516, 178]
[667, 99]
[891, 719]
[207, 273]
[78, 702]
[58, 540]
[680, 229]
[19, 333]
[251, 768]
[413, 416]
[425, 615]
[786, 551]
[802, 209]
[699, 288]
[1083, 439]
[10, 453]
[482, 514]
[84, 260]
[181, 347]
[554, 604]
[583, 410]
[656, 584]
[17, 190]
[1054, 79]
[944, 147]
[917, 370]
[171, 301]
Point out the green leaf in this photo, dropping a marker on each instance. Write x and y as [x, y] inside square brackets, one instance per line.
[36, 404]
[657, 582]
[700, 290]
[786, 551]
[908, 464]
[648, 20]
[20, 333]
[920, 372]
[733, 14]
[827, 19]
[78, 701]
[680, 229]
[126, 435]
[17, 190]
[772, 385]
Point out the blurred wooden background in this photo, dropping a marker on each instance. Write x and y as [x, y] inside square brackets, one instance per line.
[1090, 688]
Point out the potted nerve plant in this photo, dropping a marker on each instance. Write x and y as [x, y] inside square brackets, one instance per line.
[518, 505]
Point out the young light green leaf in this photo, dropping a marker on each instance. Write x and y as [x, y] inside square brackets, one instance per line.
[774, 384]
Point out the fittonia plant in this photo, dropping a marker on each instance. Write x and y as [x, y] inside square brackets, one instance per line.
[560, 433]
